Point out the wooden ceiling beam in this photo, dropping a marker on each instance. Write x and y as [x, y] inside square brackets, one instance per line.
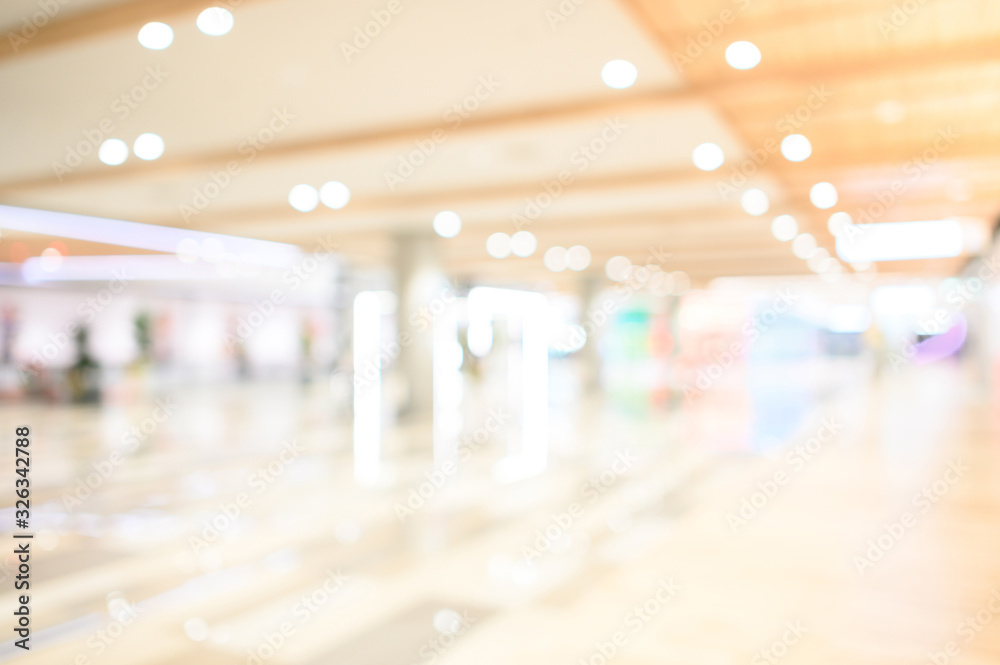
[63, 26]
[731, 84]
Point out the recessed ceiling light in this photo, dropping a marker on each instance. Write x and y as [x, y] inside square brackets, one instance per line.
[448, 621]
[618, 268]
[660, 283]
[819, 260]
[523, 244]
[556, 259]
[498, 245]
[823, 195]
[156, 36]
[578, 258]
[804, 245]
[148, 146]
[188, 250]
[708, 156]
[742, 55]
[334, 194]
[447, 224]
[619, 74]
[215, 21]
[755, 202]
[837, 222]
[784, 227]
[113, 152]
[303, 198]
[796, 147]
[51, 259]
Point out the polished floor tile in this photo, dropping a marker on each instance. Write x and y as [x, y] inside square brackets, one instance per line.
[859, 527]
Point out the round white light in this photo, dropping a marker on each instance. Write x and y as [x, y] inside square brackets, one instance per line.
[148, 146]
[51, 259]
[447, 224]
[618, 268]
[156, 36]
[643, 275]
[838, 222]
[334, 194]
[742, 55]
[784, 227]
[755, 202]
[796, 147]
[447, 621]
[823, 195]
[303, 198]
[820, 260]
[556, 259]
[523, 243]
[215, 21]
[113, 152]
[619, 74]
[212, 250]
[498, 245]
[578, 258]
[188, 250]
[708, 157]
[804, 245]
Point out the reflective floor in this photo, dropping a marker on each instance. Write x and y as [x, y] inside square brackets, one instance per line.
[856, 523]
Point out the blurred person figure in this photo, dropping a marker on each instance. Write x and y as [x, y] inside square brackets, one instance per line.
[10, 383]
[84, 375]
[238, 349]
[307, 339]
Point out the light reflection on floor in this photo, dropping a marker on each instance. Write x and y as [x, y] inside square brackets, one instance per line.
[546, 570]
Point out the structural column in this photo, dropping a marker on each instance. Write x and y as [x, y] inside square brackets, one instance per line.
[419, 281]
[588, 288]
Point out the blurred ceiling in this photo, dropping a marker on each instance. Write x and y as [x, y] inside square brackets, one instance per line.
[491, 103]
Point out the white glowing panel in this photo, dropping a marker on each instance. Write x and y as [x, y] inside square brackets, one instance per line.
[899, 241]
[157, 267]
[903, 300]
[485, 304]
[142, 236]
[849, 319]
